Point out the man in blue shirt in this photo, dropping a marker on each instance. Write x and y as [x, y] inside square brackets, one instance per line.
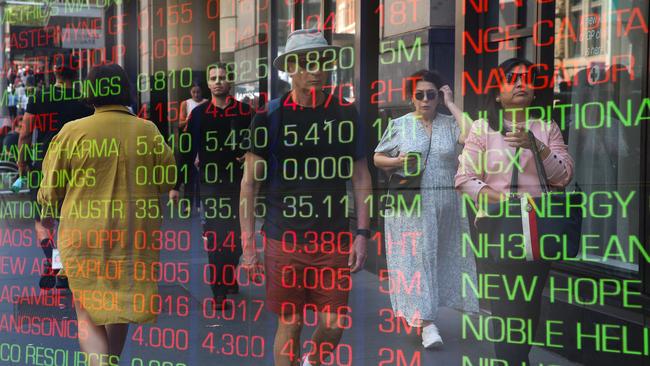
[315, 146]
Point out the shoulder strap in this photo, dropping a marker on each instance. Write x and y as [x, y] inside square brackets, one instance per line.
[514, 181]
[541, 172]
[426, 160]
[539, 166]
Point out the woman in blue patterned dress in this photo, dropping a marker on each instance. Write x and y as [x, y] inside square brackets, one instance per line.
[423, 249]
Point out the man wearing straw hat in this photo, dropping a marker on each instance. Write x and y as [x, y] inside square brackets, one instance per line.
[315, 145]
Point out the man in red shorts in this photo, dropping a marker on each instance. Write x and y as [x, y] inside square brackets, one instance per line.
[314, 146]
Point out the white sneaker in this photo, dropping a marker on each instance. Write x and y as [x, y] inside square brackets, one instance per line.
[430, 336]
[305, 361]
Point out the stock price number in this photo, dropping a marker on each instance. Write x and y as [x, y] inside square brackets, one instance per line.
[169, 47]
[312, 314]
[155, 175]
[322, 61]
[234, 345]
[147, 208]
[159, 304]
[226, 173]
[175, 14]
[315, 21]
[164, 272]
[239, 277]
[163, 80]
[242, 310]
[343, 133]
[232, 36]
[260, 206]
[315, 242]
[329, 355]
[213, 243]
[333, 93]
[242, 139]
[164, 338]
[317, 168]
[169, 240]
[303, 206]
[247, 70]
[311, 278]
[157, 146]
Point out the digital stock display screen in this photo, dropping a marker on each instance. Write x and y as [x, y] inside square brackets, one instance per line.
[324, 182]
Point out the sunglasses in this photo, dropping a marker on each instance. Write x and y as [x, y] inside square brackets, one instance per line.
[525, 77]
[431, 94]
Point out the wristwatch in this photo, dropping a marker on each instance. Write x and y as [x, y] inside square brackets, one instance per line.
[363, 232]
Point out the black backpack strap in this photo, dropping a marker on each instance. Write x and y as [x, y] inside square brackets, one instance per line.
[514, 181]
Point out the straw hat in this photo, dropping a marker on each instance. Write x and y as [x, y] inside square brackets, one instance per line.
[302, 41]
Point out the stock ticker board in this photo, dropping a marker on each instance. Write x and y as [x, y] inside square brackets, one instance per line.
[324, 182]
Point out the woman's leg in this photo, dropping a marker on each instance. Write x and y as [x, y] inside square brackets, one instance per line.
[96, 341]
[518, 307]
[116, 337]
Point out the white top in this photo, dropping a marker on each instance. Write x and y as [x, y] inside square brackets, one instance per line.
[191, 104]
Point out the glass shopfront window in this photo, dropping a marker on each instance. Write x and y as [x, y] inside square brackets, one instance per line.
[343, 32]
[402, 16]
[594, 51]
[600, 63]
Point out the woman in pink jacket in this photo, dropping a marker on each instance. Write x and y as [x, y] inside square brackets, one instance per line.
[485, 169]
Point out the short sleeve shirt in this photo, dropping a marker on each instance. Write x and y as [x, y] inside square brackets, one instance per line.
[218, 137]
[310, 155]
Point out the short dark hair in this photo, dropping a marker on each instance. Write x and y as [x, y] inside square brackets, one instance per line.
[490, 104]
[118, 80]
[196, 83]
[66, 67]
[431, 76]
[215, 65]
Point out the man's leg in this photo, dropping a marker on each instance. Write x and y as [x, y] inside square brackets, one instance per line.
[517, 307]
[286, 347]
[326, 337]
[230, 248]
[232, 255]
[217, 262]
[331, 299]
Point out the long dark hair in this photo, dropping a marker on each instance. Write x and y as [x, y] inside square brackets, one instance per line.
[490, 104]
